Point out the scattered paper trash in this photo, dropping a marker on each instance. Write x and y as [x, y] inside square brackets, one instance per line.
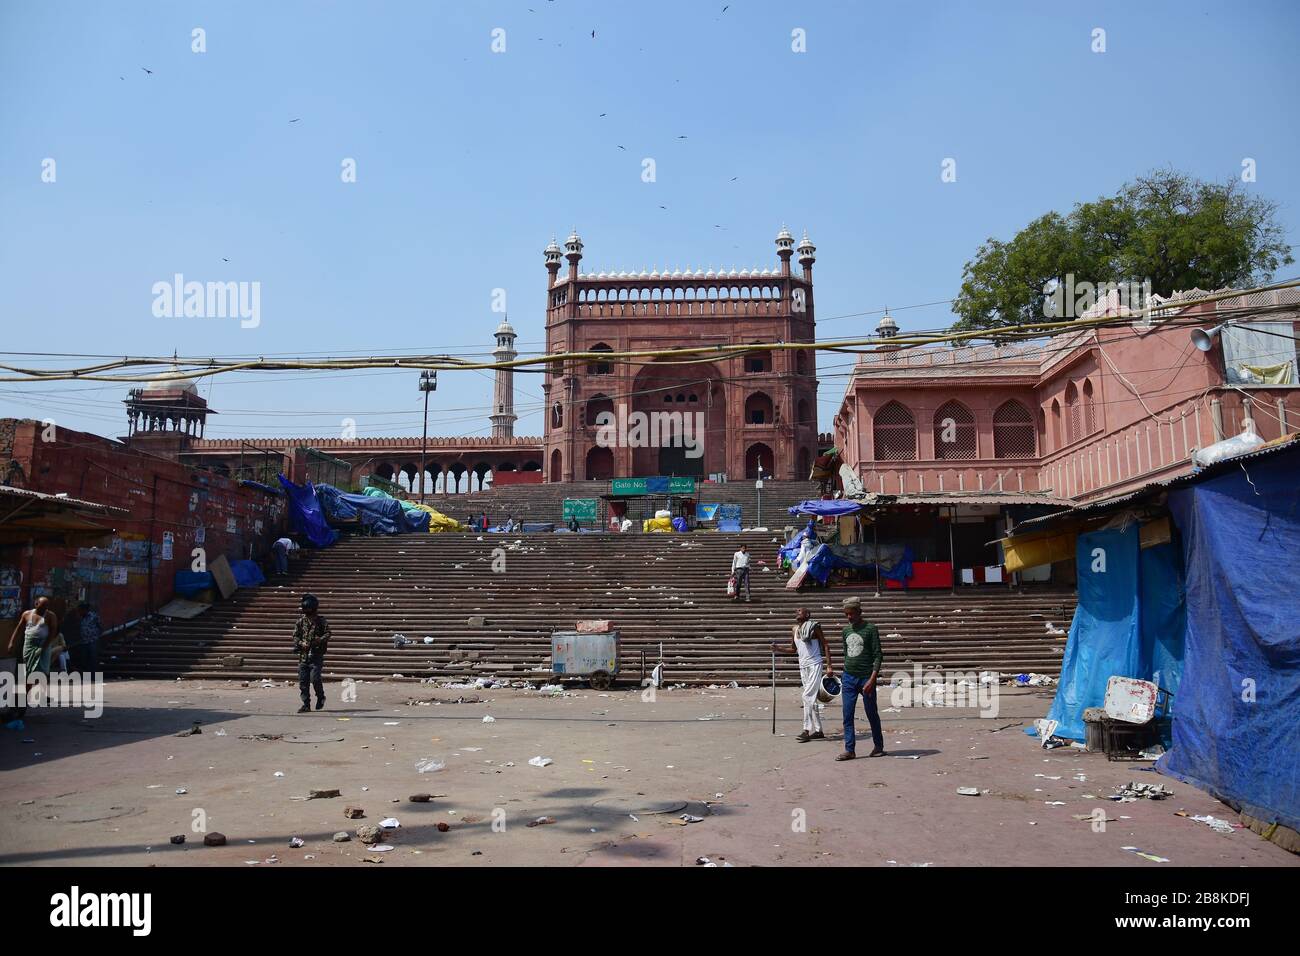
[489, 719]
[1145, 855]
[430, 765]
[968, 791]
[541, 762]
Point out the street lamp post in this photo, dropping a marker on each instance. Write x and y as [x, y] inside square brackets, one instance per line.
[428, 383]
[758, 490]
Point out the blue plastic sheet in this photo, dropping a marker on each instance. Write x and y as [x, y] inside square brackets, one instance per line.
[247, 573]
[1236, 729]
[1105, 637]
[1163, 614]
[826, 509]
[376, 514]
[189, 583]
[305, 514]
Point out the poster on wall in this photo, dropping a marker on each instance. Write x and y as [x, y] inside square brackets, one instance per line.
[10, 603]
[168, 545]
[232, 526]
[199, 533]
[119, 575]
[10, 577]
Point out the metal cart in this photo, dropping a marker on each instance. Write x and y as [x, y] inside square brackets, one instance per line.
[593, 656]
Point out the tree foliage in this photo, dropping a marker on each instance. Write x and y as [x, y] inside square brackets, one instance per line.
[1165, 227]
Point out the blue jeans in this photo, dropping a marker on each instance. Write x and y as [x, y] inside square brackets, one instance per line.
[850, 689]
[281, 559]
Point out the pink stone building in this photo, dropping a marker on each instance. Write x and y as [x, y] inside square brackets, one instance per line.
[1082, 416]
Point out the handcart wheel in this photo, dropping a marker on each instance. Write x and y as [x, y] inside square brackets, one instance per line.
[600, 680]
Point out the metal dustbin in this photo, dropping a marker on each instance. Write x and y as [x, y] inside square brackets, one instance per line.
[593, 656]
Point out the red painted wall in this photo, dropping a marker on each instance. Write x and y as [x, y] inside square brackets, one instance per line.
[161, 497]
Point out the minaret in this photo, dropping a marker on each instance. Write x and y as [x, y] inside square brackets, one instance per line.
[503, 396]
[784, 249]
[552, 253]
[887, 329]
[807, 256]
[573, 252]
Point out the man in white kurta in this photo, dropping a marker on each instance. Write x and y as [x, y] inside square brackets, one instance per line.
[808, 641]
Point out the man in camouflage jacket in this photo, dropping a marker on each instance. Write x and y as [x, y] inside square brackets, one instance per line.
[310, 638]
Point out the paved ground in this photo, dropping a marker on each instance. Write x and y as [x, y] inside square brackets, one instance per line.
[103, 791]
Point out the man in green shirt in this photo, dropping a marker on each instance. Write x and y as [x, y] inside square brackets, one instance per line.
[862, 661]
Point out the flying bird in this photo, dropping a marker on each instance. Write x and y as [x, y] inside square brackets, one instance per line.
[623, 148]
[593, 34]
[150, 72]
[295, 120]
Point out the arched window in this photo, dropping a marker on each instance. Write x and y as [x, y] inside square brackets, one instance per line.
[1056, 425]
[1013, 431]
[758, 409]
[1073, 423]
[954, 432]
[894, 434]
[600, 367]
[1089, 412]
[758, 362]
[597, 404]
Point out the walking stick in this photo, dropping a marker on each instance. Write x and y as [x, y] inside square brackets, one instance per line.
[774, 693]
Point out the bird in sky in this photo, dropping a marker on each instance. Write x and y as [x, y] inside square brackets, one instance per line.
[150, 72]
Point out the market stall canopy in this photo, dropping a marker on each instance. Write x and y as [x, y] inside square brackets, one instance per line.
[25, 515]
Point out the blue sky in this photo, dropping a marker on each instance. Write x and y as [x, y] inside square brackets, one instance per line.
[468, 161]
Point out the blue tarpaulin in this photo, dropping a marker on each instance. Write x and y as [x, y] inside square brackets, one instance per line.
[305, 514]
[247, 573]
[1236, 728]
[826, 509]
[376, 514]
[1105, 636]
[189, 583]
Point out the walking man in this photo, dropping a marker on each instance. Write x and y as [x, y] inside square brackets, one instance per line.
[39, 627]
[808, 641]
[740, 571]
[310, 637]
[862, 661]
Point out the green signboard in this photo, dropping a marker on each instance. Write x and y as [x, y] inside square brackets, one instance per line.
[584, 509]
[652, 486]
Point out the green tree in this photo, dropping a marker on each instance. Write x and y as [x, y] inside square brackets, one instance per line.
[1165, 227]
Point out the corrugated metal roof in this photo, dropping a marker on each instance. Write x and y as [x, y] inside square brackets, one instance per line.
[59, 502]
[1105, 505]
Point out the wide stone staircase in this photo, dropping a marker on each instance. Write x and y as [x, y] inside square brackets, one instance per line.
[489, 604]
[766, 508]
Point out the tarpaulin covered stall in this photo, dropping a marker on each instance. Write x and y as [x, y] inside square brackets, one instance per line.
[1236, 729]
[376, 512]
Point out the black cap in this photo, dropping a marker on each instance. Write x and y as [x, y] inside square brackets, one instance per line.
[309, 602]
